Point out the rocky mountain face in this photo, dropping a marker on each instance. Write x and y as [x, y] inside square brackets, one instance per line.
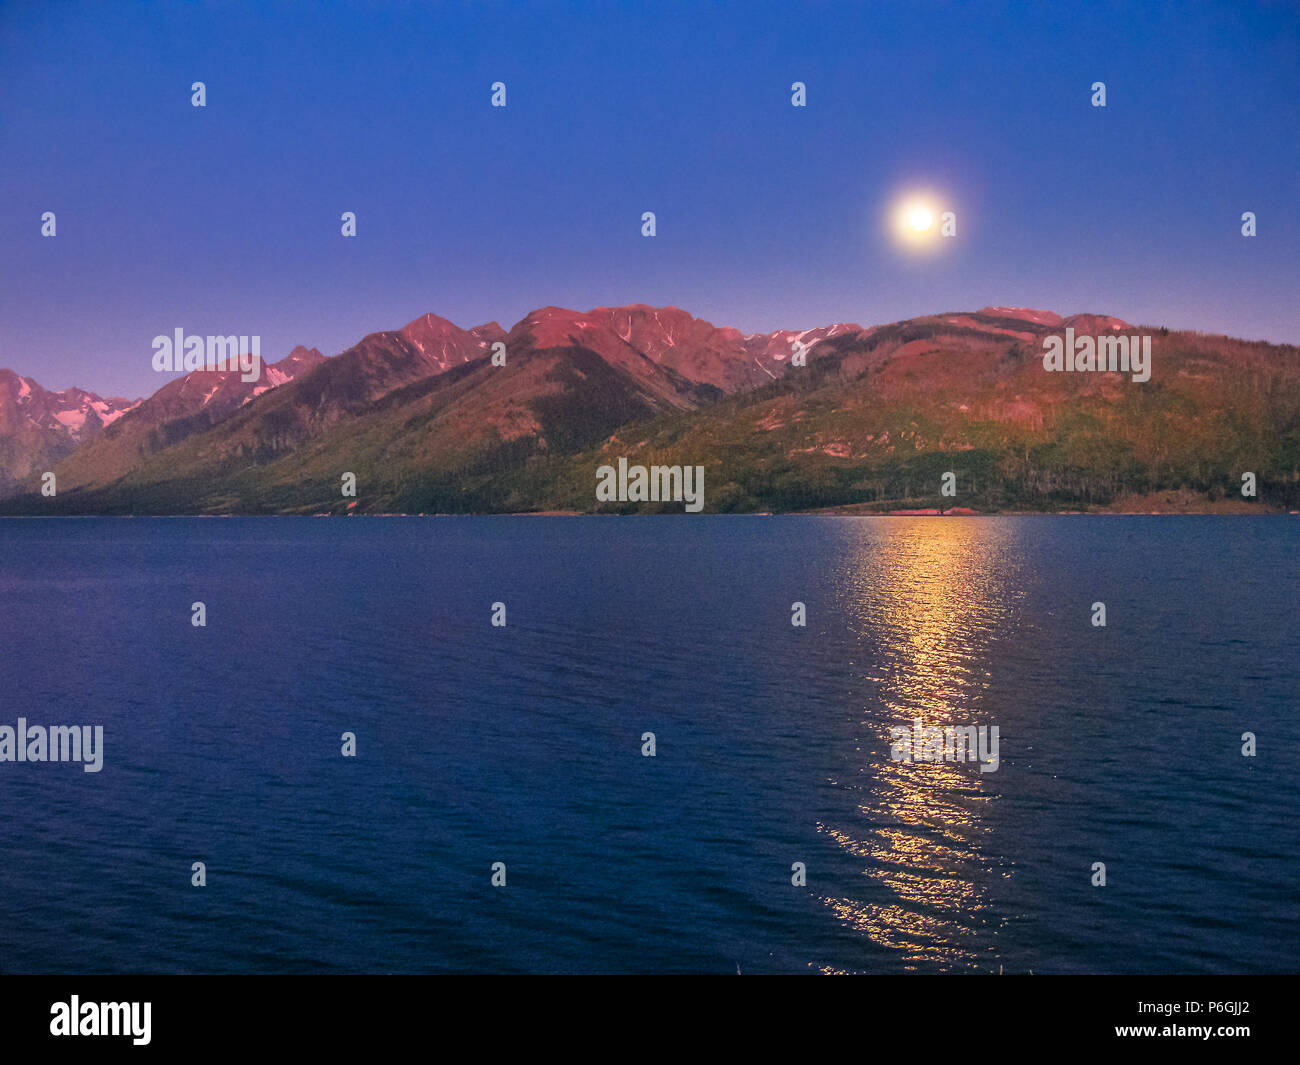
[429, 421]
[38, 428]
[568, 377]
[182, 407]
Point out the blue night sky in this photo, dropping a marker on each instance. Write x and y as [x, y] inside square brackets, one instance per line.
[226, 219]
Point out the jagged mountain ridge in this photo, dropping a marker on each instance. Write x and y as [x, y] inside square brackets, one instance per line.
[428, 423]
[643, 360]
[38, 428]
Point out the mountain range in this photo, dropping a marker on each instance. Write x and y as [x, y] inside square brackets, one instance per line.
[38, 427]
[433, 418]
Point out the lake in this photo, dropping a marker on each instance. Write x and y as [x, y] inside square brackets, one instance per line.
[523, 744]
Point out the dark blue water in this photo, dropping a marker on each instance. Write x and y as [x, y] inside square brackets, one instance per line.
[522, 745]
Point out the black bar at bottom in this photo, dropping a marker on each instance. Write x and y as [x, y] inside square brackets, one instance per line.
[342, 1014]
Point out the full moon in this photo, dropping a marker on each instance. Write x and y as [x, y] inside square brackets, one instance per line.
[917, 217]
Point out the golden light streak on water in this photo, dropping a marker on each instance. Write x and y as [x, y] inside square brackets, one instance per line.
[928, 599]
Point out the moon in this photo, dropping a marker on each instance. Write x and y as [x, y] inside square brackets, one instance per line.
[914, 218]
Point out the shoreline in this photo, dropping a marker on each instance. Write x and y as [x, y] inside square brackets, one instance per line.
[829, 512]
